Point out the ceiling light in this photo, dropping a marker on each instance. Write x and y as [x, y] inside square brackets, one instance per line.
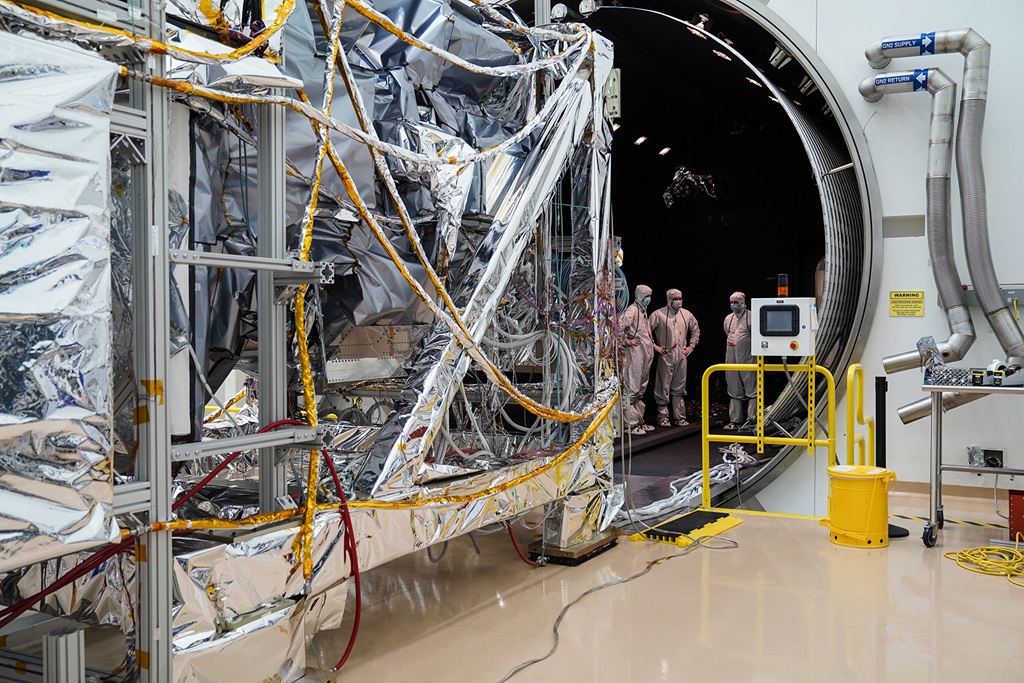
[640, 140]
[615, 126]
[665, 151]
[723, 55]
[773, 99]
[702, 21]
[697, 33]
[754, 82]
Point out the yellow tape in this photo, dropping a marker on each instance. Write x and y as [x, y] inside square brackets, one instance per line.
[158, 47]
[227, 406]
[303, 546]
[153, 387]
[415, 502]
[142, 657]
[385, 23]
[141, 414]
[760, 513]
[453, 321]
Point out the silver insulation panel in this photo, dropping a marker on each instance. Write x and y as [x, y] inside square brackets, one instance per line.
[240, 595]
[55, 384]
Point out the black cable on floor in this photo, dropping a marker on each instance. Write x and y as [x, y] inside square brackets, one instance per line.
[727, 544]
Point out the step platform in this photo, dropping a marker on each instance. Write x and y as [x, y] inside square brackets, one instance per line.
[682, 530]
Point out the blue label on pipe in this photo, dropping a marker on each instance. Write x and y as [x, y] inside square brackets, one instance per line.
[899, 44]
[894, 80]
[920, 79]
[928, 43]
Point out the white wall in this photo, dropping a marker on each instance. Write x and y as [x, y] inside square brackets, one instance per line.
[897, 132]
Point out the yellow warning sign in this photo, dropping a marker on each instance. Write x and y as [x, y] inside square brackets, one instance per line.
[904, 304]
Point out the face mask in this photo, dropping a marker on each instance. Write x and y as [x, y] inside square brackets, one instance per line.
[736, 308]
[643, 302]
[676, 305]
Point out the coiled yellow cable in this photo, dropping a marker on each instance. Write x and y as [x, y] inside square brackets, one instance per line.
[993, 560]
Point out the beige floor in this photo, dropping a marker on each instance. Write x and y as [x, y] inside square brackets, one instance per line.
[785, 605]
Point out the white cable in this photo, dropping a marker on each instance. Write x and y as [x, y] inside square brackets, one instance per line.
[687, 488]
[579, 40]
[995, 499]
[213, 396]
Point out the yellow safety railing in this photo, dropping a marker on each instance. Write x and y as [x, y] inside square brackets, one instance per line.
[759, 438]
[855, 381]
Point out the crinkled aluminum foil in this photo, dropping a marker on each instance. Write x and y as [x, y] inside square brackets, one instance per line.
[269, 647]
[55, 386]
[222, 588]
[574, 519]
[410, 430]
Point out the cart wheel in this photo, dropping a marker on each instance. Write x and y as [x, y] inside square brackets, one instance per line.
[940, 518]
[930, 536]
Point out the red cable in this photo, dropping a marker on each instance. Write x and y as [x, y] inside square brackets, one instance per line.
[17, 609]
[515, 543]
[227, 461]
[9, 614]
[353, 560]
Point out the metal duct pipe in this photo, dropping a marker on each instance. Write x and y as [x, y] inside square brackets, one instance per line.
[937, 185]
[977, 55]
[923, 408]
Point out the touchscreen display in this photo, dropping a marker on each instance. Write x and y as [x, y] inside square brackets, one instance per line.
[780, 321]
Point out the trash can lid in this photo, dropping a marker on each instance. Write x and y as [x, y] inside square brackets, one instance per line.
[858, 471]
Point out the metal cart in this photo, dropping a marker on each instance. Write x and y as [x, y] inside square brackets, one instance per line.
[935, 520]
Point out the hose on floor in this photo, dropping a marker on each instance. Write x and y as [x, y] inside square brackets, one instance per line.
[709, 542]
[993, 560]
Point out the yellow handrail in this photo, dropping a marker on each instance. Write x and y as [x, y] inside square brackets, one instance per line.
[760, 439]
[855, 380]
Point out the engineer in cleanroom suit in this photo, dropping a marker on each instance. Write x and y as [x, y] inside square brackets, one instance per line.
[676, 334]
[742, 385]
[639, 354]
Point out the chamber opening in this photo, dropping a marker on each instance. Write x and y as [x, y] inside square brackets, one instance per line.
[712, 191]
[727, 91]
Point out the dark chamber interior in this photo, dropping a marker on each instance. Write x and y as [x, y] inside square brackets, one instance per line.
[684, 90]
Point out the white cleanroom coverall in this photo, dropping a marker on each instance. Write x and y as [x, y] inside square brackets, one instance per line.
[676, 334]
[742, 385]
[639, 354]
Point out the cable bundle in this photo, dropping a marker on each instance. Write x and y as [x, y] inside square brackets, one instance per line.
[689, 487]
[992, 560]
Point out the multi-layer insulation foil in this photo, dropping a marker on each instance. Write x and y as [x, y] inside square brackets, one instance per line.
[55, 312]
[453, 166]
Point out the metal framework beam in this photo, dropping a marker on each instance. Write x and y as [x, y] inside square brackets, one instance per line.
[151, 278]
[270, 245]
[269, 441]
[207, 258]
[64, 656]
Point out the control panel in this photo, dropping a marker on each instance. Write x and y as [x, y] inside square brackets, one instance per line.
[783, 326]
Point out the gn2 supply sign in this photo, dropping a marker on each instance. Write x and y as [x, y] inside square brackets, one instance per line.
[906, 304]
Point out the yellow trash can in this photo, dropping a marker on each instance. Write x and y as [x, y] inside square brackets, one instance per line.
[858, 505]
